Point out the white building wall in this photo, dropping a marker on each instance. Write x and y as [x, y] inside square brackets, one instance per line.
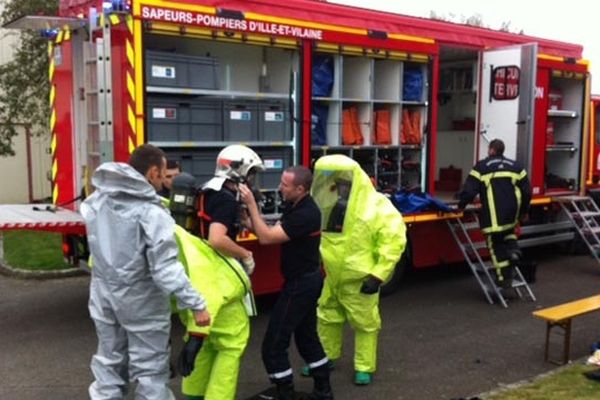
[14, 187]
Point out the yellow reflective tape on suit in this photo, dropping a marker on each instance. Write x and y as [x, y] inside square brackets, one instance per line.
[475, 174]
[501, 174]
[67, 34]
[491, 204]
[59, 37]
[55, 193]
[500, 228]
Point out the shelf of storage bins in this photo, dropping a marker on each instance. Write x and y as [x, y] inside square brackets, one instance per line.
[220, 144]
[216, 93]
[353, 100]
[415, 103]
[562, 113]
[326, 99]
[383, 101]
[561, 148]
[411, 147]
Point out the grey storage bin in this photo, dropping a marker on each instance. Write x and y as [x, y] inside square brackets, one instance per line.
[240, 121]
[274, 121]
[198, 162]
[181, 70]
[206, 120]
[275, 161]
[168, 120]
[173, 119]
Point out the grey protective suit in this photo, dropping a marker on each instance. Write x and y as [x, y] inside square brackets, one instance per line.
[135, 269]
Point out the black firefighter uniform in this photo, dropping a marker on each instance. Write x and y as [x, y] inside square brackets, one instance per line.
[505, 194]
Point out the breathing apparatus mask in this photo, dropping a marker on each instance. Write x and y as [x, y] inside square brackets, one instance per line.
[183, 201]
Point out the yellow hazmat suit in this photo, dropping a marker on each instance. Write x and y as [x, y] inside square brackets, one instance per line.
[363, 237]
[224, 284]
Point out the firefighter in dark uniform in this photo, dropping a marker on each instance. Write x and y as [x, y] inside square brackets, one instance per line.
[294, 313]
[504, 193]
[220, 209]
[211, 371]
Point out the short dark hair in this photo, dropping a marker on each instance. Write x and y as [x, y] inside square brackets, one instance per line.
[302, 176]
[172, 164]
[498, 146]
[145, 157]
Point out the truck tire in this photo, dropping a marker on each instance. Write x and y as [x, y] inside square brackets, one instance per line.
[394, 282]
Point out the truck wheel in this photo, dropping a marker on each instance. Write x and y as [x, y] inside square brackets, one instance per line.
[392, 284]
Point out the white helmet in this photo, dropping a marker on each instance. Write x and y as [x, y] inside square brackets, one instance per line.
[236, 161]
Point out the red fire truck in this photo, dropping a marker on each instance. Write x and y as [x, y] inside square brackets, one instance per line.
[415, 101]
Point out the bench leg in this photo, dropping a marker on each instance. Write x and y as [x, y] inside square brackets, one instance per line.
[567, 345]
[547, 348]
[566, 327]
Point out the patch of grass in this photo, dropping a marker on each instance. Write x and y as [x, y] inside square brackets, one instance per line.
[568, 383]
[36, 251]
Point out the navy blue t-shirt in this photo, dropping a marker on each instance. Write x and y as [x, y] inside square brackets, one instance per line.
[222, 207]
[302, 224]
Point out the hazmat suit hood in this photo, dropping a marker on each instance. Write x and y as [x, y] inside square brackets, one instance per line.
[130, 234]
[115, 179]
[362, 232]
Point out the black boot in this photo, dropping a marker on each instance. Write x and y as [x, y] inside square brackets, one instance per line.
[322, 389]
[285, 390]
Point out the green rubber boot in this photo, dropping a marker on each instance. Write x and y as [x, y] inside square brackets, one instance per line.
[363, 378]
[305, 371]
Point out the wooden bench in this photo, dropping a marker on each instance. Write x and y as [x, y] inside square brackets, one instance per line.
[561, 316]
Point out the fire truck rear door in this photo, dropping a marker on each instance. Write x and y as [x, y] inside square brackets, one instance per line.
[506, 100]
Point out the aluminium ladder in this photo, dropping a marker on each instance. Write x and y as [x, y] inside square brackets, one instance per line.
[585, 216]
[483, 271]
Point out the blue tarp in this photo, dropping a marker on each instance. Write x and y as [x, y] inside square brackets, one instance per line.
[408, 202]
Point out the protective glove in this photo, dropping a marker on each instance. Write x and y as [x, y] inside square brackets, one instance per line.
[370, 285]
[187, 357]
[248, 264]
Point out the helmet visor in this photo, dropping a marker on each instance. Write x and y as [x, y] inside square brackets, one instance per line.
[331, 191]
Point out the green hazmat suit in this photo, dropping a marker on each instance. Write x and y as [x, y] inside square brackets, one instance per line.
[363, 235]
[225, 285]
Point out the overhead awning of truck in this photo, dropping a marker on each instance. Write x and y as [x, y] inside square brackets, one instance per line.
[41, 22]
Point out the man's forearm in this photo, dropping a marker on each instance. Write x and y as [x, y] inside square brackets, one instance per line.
[228, 247]
[261, 229]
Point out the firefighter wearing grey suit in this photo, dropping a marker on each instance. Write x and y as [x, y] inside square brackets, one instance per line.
[135, 269]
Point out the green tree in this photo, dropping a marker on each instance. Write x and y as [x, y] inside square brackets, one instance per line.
[24, 87]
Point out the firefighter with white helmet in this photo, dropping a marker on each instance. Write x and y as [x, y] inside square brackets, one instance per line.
[210, 365]
[220, 216]
[236, 163]
[210, 359]
[363, 237]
